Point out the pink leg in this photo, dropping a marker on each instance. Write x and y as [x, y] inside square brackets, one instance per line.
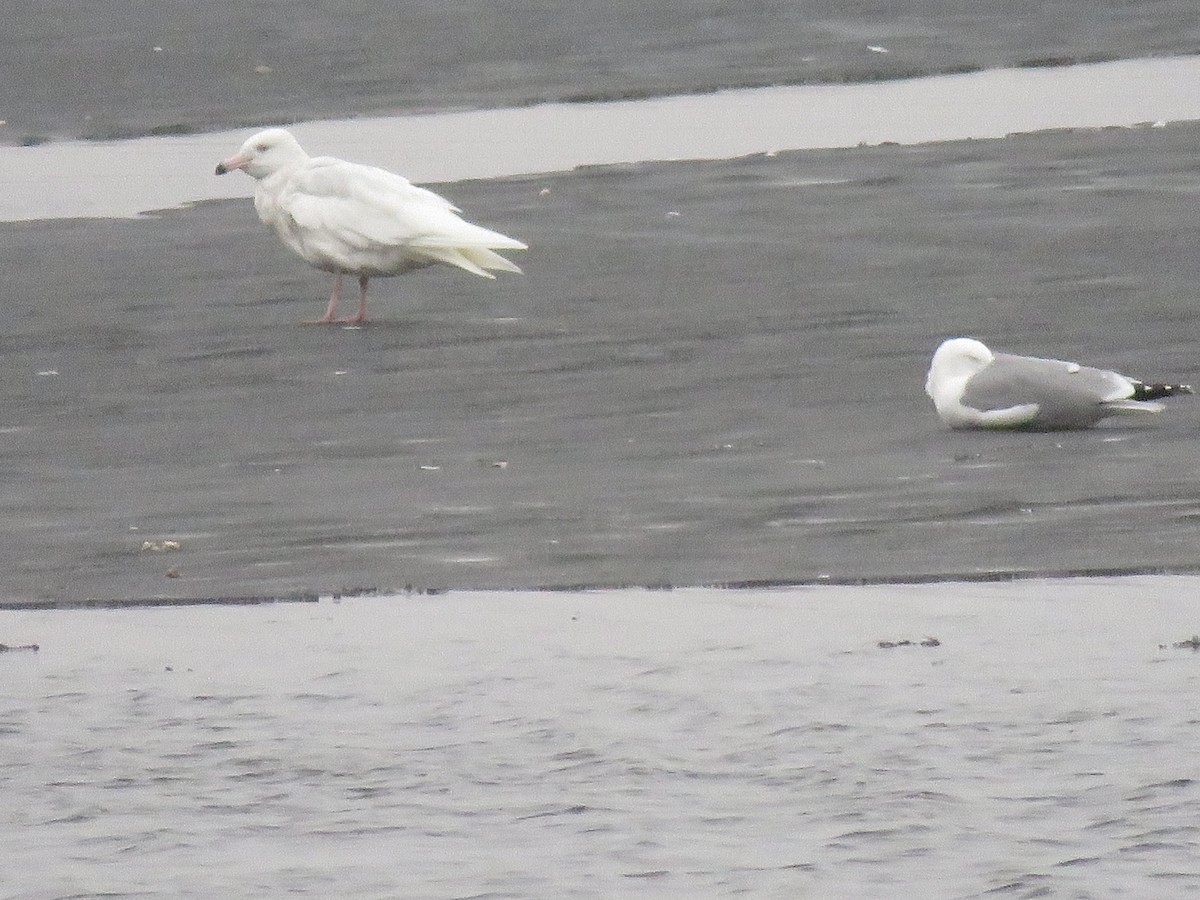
[334, 297]
[361, 315]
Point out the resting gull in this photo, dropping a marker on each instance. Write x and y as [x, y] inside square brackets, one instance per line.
[351, 219]
[972, 387]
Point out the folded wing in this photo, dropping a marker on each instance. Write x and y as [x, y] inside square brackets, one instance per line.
[356, 210]
[1061, 394]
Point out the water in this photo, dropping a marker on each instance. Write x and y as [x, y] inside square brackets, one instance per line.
[693, 743]
[125, 178]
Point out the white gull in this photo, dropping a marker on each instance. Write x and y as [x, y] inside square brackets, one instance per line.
[351, 219]
[972, 387]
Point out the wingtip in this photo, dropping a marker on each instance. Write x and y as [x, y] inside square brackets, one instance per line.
[1157, 391]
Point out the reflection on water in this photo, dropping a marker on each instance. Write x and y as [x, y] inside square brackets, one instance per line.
[653, 744]
[128, 177]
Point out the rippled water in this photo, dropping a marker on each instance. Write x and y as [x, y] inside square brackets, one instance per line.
[692, 743]
[124, 178]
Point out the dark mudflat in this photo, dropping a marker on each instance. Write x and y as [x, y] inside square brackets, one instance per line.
[711, 373]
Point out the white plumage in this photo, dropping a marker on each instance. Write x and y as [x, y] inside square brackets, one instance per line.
[351, 219]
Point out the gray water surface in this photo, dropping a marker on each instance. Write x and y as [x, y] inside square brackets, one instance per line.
[693, 743]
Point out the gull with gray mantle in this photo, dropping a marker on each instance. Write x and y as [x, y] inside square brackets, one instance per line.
[351, 219]
[972, 387]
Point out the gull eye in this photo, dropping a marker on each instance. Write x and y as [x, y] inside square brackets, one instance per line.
[261, 148]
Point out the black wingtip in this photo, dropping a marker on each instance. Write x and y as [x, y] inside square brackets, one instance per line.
[1158, 391]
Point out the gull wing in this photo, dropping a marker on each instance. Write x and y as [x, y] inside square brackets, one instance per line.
[1064, 394]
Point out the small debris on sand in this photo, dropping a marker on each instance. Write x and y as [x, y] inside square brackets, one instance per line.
[160, 546]
[6, 648]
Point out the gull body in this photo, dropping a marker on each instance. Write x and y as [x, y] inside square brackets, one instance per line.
[351, 219]
[973, 387]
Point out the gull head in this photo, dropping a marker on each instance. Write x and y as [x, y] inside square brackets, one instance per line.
[954, 362]
[264, 154]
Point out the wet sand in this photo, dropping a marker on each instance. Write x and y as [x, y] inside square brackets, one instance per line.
[711, 373]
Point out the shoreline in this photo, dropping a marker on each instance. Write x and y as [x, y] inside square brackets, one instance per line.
[1100, 576]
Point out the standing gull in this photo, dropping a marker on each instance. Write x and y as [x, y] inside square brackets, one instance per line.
[972, 387]
[350, 219]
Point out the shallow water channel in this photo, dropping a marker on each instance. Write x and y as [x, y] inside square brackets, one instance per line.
[949, 740]
[125, 178]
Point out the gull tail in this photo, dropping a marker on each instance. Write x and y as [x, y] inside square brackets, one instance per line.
[1157, 391]
[476, 260]
[486, 259]
[468, 246]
